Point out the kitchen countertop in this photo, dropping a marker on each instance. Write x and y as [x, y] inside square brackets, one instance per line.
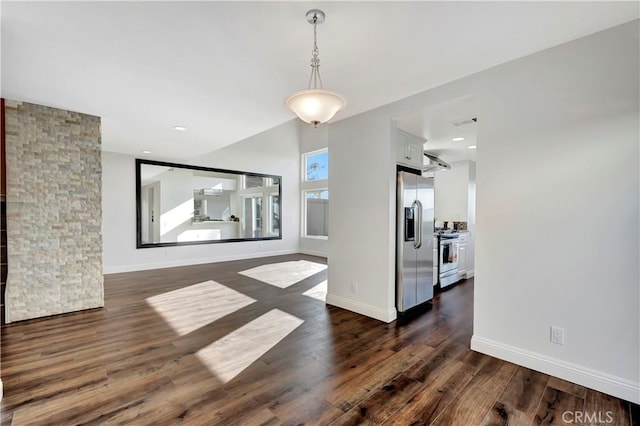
[215, 221]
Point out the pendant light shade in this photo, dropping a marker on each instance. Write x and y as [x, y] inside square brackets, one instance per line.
[315, 105]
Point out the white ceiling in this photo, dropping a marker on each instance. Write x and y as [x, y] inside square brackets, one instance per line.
[223, 69]
[436, 125]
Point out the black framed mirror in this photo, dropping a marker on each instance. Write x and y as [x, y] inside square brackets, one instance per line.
[179, 204]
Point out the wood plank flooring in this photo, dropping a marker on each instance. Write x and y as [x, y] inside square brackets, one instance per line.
[237, 343]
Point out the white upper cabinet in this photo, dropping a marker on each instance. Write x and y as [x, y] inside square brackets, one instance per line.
[409, 150]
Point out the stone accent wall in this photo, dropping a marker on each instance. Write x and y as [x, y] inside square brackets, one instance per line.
[54, 211]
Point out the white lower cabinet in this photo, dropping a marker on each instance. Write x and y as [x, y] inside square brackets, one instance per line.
[462, 255]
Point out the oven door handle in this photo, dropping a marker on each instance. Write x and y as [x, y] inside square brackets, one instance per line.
[417, 206]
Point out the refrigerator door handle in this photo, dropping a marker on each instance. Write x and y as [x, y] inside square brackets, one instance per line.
[417, 205]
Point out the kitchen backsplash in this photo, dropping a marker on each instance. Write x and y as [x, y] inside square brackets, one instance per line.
[460, 226]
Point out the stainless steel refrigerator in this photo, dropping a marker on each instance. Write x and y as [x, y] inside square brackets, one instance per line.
[414, 250]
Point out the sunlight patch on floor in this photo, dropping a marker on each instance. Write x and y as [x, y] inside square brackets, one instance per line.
[284, 274]
[189, 308]
[318, 292]
[232, 354]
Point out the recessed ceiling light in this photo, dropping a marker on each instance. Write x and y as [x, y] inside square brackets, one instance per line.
[180, 128]
[457, 139]
[471, 147]
[144, 151]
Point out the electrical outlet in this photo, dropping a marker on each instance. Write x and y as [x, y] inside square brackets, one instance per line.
[354, 287]
[557, 335]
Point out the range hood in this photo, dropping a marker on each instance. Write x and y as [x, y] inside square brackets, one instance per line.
[434, 164]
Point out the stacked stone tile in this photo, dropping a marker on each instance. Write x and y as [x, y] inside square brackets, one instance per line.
[54, 211]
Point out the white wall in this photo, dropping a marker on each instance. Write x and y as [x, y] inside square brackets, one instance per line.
[557, 209]
[313, 139]
[455, 191]
[452, 193]
[471, 221]
[361, 209]
[217, 206]
[557, 212]
[275, 151]
[176, 202]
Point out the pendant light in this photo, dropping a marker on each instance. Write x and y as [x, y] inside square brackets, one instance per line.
[315, 105]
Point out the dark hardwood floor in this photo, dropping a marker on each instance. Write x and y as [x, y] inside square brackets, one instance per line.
[215, 344]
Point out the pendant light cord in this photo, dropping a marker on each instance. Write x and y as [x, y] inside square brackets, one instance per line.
[315, 60]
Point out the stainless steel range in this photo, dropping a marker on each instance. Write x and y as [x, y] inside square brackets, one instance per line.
[448, 259]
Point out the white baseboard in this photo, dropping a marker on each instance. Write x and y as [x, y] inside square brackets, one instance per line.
[189, 262]
[593, 379]
[1, 390]
[469, 273]
[361, 308]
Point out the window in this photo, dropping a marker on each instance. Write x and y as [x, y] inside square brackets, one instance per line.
[273, 181]
[315, 194]
[260, 206]
[252, 215]
[274, 224]
[316, 165]
[317, 213]
[253, 182]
